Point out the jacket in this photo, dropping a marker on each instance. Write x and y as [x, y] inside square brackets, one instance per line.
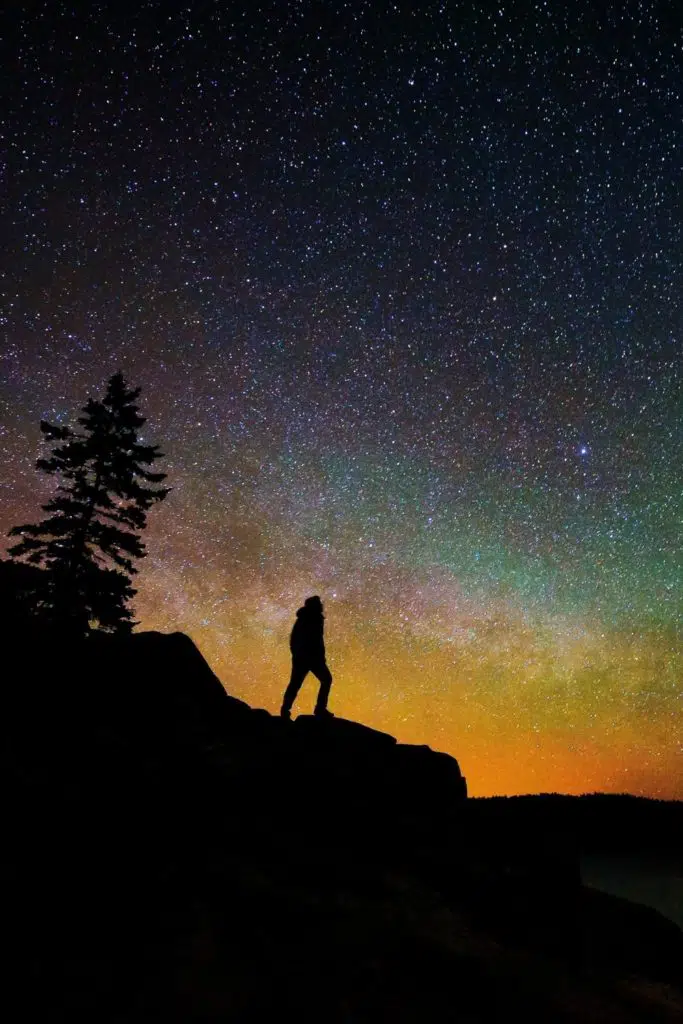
[306, 640]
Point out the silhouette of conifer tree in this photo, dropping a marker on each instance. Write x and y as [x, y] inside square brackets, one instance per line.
[89, 541]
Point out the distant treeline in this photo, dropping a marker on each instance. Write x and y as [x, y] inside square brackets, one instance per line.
[594, 823]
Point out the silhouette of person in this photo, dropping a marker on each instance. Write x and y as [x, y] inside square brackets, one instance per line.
[308, 655]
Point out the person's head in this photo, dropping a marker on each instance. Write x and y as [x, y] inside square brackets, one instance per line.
[314, 605]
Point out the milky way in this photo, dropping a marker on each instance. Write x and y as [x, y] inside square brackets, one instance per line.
[401, 287]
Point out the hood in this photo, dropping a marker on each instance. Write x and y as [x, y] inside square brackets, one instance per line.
[309, 613]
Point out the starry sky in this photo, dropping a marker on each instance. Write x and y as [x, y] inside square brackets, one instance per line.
[401, 285]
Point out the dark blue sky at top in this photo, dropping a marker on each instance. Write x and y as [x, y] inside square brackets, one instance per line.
[406, 161]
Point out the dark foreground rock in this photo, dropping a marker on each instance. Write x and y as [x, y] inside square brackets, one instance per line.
[171, 854]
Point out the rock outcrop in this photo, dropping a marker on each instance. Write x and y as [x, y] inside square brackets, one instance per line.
[171, 853]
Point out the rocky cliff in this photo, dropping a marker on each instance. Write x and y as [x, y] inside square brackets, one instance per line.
[172, 854]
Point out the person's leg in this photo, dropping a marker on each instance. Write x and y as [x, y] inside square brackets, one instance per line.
[299, 672]
[322, 673]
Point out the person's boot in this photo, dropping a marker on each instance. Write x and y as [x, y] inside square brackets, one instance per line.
[286, 714]
[323, 713]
